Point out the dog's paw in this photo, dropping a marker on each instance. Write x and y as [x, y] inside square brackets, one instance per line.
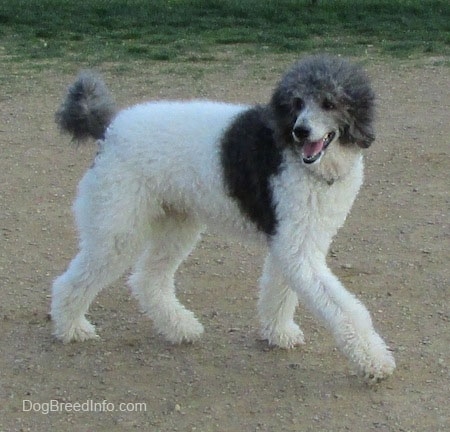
[373, 360]
[181, 327]
[378, 369]
[77, 331]
[286, 337]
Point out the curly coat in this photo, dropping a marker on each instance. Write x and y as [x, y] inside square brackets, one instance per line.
[285, 173]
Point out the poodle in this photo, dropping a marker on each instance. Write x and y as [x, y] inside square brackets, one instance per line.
[285, 173]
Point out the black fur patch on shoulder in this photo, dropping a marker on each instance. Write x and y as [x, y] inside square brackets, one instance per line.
[250, 157]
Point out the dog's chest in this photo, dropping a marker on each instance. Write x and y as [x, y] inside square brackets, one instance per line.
[307, 204]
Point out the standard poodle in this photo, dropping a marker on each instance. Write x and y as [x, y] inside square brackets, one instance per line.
[285, 173]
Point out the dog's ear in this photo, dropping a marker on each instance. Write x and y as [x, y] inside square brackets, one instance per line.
[361, 134]
[281, 116]
[358, 119]
[359, 100]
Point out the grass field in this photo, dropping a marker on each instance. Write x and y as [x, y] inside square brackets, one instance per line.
[116, 30]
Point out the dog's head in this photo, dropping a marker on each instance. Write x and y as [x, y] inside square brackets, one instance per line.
[321, 101]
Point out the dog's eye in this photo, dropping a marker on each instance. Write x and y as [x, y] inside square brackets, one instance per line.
[328, 105]
[298, 104]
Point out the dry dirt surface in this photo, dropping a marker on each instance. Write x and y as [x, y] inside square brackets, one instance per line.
[393, 253]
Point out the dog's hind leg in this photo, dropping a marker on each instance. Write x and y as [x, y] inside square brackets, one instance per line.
[276, 307]
[152, 281]
[112, 229]
[74, 291]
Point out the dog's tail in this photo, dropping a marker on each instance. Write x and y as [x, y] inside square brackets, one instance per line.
[87, 109]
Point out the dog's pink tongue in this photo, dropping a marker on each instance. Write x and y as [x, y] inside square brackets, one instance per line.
[312, 148]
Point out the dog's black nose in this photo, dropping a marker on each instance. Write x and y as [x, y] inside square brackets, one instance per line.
[301, 132]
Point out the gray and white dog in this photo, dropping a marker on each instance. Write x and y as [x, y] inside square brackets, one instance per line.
[285, 173]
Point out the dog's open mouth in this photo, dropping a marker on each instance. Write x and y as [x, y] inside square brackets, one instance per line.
[313, 150]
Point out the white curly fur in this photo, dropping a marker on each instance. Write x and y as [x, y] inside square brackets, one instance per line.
[157, 181]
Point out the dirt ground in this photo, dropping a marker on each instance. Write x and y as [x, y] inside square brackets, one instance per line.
[393, 253]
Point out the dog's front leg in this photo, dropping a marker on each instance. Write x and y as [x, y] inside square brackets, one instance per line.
[342, 312]
[276, 308]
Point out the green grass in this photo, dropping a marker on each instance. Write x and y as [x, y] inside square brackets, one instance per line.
[167, 30]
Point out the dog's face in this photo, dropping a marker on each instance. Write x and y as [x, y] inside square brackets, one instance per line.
[316, 127]
[323, 101]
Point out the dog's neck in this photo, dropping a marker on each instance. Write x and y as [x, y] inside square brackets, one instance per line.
[336, 164]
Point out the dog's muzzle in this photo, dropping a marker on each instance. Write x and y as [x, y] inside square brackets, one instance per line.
[312, 151]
